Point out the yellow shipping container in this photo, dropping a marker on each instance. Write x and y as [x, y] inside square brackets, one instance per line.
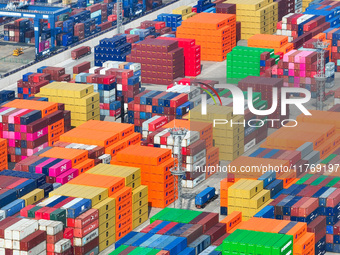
[129, 173]
[33, 197]
[140, 220]
[96, 195]
[105, 206]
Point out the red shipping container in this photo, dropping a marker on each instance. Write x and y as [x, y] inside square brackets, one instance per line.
[82, 67]
[32, 240]
[333, 199]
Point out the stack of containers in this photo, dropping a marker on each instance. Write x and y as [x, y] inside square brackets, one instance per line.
[77, 222]
[19, 31]
[198, 152]
[216, 39]
[224, 186]
[301, 27]
[57, 168]
[265, 86]
[152, 125]
[18, 188]
[155, 165]
[153, 103]
[298, 68]
[57, 73]
[248, 197]
[30, 126]
[256, 17]
[285, 7]
[313, 199]
[277, 42]
[229, 140]
[160, 29]
[192, 55]
[31, 83]
[128, 80]
[239, 238]
[185, 11]
[114, 185]
[161, 60]
[110, 135]
[171, 20]
[115, 48]
[245, 61]
[23, 236]
[303, 241]
[331, 36]
[3, 154]
[105, 85]
[193, 96]
[132, 180]
[80, 99]
[252, 134]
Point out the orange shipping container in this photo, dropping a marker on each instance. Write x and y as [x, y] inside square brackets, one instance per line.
[122, 144]
[144, 155]
[90, 137]
[75, 155]
[46, 108]
[122, 129]
[232, 220]
[305, 242]
[84, 166]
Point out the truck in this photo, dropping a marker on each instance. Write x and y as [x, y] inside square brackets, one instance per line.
[205, 197]
[80, 52]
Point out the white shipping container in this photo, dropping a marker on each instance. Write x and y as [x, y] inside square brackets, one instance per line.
[193, 183]
[2, 243]
[43, 224]
[48, 200]
[36, 250]
[8, 244]
[2, 215]
[62, 245]
[106, 158]
[197, 157]
[190, 138]
[25, 230]
[193, 167]
[103, 71]
[73, 202]
[249, 145]
[284, 18]
[54, 228]
[157, 138]
[9, 231]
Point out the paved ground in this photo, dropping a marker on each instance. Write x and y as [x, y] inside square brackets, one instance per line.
[9, 62]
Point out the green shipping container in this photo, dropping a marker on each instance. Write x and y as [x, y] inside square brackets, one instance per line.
[333, 182]
[304, 179]
[175, 215]
[119, 250]
[319, 180]
[328, 159]
[252, 242]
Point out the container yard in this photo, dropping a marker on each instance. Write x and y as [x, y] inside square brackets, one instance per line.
[170, 127]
